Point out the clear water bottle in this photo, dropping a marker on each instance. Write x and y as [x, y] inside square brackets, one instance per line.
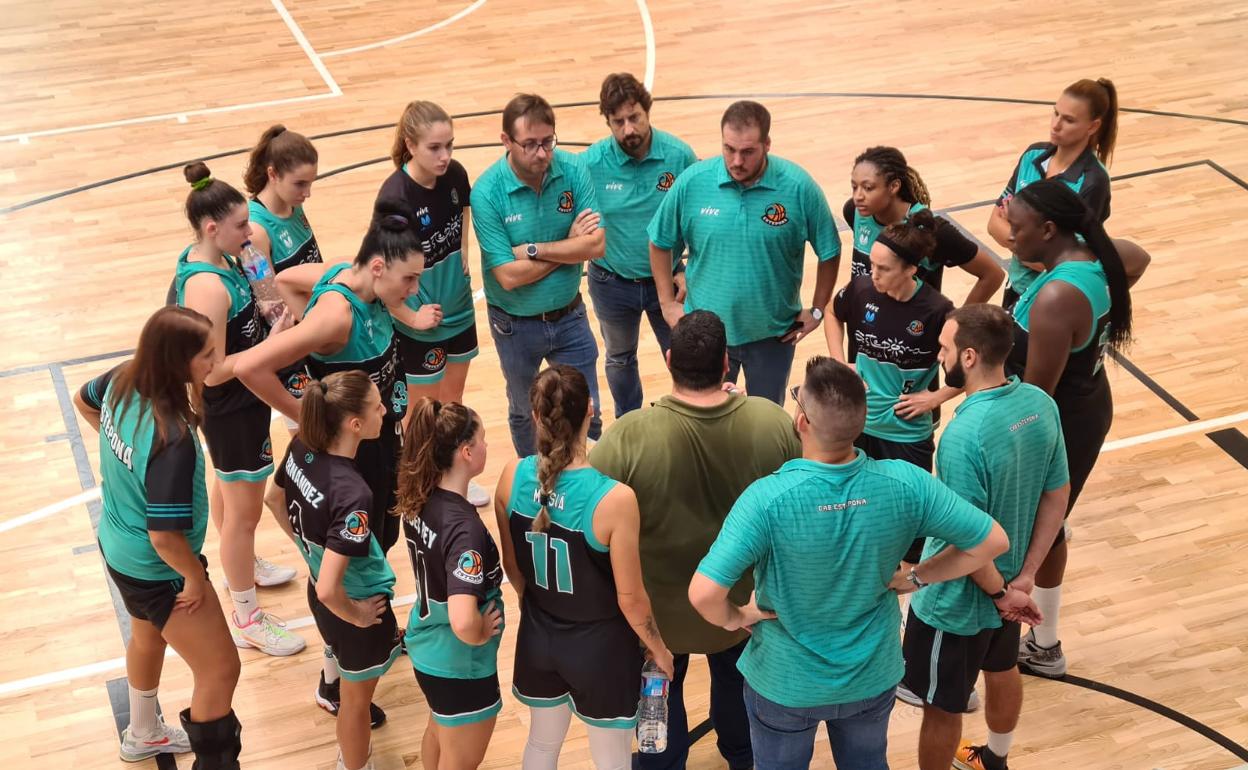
[263, 283]
[652, 714]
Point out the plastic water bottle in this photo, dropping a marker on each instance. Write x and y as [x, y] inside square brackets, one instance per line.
[263, 283]
[652, 714]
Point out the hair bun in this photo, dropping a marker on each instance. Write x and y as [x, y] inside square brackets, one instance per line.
[392, 214]
[196, 172]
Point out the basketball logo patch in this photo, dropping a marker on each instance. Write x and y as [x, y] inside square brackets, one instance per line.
[296, 383]
[435, 359]
[355, 528]
[266, 451]
[665, 181]
[775, 215]
[566, 202]
[454, 197]
[470, 568]
[916, 328]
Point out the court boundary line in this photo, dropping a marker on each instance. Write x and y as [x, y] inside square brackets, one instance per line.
[647, 26]
[297, 32]
[408, 36]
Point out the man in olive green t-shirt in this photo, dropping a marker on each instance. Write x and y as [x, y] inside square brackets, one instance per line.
[688, 457]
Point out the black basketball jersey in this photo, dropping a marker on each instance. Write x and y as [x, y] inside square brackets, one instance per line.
[953, 249]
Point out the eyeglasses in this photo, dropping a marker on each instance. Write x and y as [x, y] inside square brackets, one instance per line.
[793, 391]
[531, 147]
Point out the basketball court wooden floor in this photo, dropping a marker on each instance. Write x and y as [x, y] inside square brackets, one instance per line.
[104, 104]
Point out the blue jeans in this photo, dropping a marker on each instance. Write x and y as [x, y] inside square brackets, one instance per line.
[732, 727]
[784, 738]
[767, 363]
[522, 345]
[619, 304]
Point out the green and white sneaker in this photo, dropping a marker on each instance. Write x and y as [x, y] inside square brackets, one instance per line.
[166, 740]
[266, 633]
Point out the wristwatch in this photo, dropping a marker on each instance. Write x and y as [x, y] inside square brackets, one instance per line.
[816, 313]
[914, 578]
[530, 251]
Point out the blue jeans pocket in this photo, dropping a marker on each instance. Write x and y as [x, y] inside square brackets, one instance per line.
[775, 717]
[500, 323]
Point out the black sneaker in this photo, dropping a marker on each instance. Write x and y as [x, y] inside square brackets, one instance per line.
[328, 697]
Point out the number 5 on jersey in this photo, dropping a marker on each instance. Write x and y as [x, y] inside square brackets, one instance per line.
[542, 545]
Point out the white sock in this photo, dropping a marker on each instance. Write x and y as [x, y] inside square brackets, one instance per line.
[1049, 600]
[142, 712]
[610, 747]
[547, 728]
[999, 743]
[245, 604]
[329, 666]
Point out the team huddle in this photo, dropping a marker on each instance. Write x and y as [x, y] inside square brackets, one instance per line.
[784, 548]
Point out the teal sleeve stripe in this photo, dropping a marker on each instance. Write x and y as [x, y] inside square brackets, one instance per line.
[186, 514]
[169, 506]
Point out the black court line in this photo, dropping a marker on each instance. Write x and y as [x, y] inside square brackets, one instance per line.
[675, 98]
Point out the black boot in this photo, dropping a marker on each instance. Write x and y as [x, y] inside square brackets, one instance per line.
[216, 744]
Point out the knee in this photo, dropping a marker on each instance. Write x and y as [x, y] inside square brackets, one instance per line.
[228, 668]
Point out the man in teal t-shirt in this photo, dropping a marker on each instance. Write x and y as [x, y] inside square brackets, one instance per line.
[746, 219]
[825, 535]
[538, 221]
[633, 170]
[1003, 452]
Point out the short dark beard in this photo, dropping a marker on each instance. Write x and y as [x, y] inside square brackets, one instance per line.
[955, 377]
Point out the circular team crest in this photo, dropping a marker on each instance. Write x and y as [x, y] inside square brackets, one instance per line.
[665, 181]
[470, 567]
[916, 328]
[266, 451]
[435, 359]
[307, 458]
[296, 383]
[355, 528]
[775, 215]
[566, 202]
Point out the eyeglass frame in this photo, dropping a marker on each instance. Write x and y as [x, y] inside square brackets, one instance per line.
[531, 148]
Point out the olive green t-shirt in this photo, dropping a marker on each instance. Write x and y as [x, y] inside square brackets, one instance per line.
[688, 464]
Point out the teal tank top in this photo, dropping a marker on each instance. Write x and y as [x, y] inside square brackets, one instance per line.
[1084, 366]
[291, 241]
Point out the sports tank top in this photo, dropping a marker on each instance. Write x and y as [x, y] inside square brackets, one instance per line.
[291, 241]
[244, 328]
[371, 347]
[1084, 366]
[567, 571]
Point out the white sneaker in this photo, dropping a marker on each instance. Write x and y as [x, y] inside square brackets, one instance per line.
[478, 495]
[270, 574]
[267, 634]
[367, 765]
[905, 695]
[166, 740]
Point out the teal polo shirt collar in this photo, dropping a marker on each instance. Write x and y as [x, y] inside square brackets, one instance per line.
[843, 469]
[655, 152]
[514, 182]
[1011, 385]
[765, 182]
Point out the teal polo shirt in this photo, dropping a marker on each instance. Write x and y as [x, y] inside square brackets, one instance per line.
[746, 244]
[630, 191]
[1001, 452]
[824, 541]
[506, 213]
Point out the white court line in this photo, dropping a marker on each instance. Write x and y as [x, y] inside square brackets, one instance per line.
[302, 40]
[49, 510]
[1200, 426]
[648, 26]
[408, 36]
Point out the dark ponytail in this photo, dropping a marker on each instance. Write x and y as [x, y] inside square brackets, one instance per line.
[913, 239]
[390, 235]
[434, 433]
[1101, 96]
[283, 150]
[209, 198]
[893, 167]
[327, 402]
[1057, 203]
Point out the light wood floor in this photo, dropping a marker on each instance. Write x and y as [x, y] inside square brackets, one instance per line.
[1154, 602]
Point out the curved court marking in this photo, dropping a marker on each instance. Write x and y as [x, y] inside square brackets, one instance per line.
[409, 36]
[648, 26]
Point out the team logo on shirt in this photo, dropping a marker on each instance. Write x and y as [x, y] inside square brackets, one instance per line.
[775, 215]
[916, 328]
[454, 197]
[266, 451]
[435, 359]
[296, 383]
[423, 215]
[286, 240]
[469, 568]
[308, 458]
[355, 528]
[566, 202]
[869, 316]
[665, 181]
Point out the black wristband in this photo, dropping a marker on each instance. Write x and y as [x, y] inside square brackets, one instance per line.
[999, 594]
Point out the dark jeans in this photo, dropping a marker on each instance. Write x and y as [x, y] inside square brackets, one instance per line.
[784, 737]
[767, 363]
[732, 726]
[522, 345]
[619, 304]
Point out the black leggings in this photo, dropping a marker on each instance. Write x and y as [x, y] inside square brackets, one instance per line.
[1086, 419]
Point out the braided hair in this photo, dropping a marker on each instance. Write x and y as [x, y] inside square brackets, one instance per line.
[560, 400]
[1055, 202]
[893, 167]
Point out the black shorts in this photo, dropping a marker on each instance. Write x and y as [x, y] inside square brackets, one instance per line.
[916, 453]
[362, 653]
[150, 600]
[425, 362]
[455, 702]
[239, 443]
[955, 661]
[377, 460]
[601, 682]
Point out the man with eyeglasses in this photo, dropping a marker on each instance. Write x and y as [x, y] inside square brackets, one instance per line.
[824, 535]
[746, 219]
[688, 457]
[633, 170]
[537, 219]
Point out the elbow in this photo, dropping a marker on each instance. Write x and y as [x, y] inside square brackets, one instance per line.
[325, 591]
[506, 280]
[598, 244]
[998, 543]
[465, 631]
